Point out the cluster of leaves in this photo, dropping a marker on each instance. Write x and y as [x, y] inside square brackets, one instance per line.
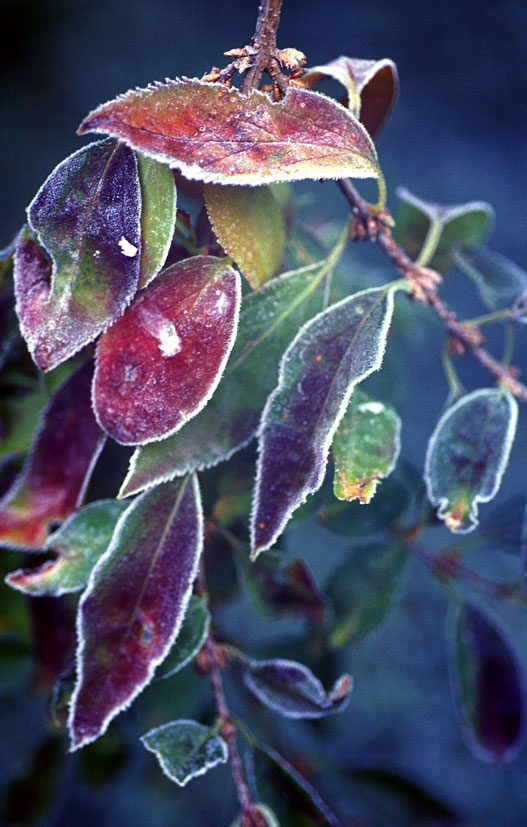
[140, 314]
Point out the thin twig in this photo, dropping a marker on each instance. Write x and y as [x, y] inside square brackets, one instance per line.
[264, 40]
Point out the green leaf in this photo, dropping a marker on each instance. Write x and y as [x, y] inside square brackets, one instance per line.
[352, 520]
[362, 590]
[79, 543]
[429, 231]
[365, 447]
[250, 226]
[185, 749]
[158, 215]
[189, 640]
[329, 356]
[292, 690]
[269, 319]
[501, 283]
[467, 455]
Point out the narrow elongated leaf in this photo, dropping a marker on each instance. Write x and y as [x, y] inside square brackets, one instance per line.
[269, 319]
[467, 455]
[501, 283]
[365, 448]
[250, 226]
[488, 685]
[52, 484]
[158, 215]
[79, 544]
[372, 87]
[417, 220]
[190, 639]
[292, 690]
[218, 135]
[327, 358]
[186, 749]
[133, 608]
[160, 363]
[86, 216]
[362, 589]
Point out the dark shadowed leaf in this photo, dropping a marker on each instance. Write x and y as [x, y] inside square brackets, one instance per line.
[275, 589]
[503, 524]
[327, 358]
[186, 749]
[133, 608]
[159, 364]
[78, 544]
[501, 283]
[52, 484]
[269, 320]
[372, 87]
[362, 589]
[467, 455]
[352, 520]
[292, 690]
[218, 135]
[488, 685]
[250, 226]
[365, 447]
[86, 216]
[401, 800]
[440, 226]
[269, 818]
[292, 798]
[158, 215]
[189, 640]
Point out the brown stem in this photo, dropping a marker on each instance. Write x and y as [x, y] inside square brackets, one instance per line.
[264, 40]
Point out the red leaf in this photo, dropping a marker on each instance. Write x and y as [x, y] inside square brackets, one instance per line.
[53, 482]
[216, 134]
[158, 365]
[133, 608]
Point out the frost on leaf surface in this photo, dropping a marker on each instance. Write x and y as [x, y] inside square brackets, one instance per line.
[189, 640]
[467, 455]
[53, 481]
[488, 684]
[329, 356]
[78, 545]
[77, 266]
[218, 135]
[269, 320]
[365, 447]
[186, 749]
[159, 364]
[132, 610]
[158, 215]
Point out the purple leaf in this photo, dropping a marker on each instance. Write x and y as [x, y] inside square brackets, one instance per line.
[78, 265]
[132, 610]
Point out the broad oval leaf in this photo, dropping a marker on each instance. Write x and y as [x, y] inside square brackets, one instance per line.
[467, 455]
[292, 690]
[79, 543]
[160, 363]
[488, 685]
[189, 640]
[132, 610]
[440, 227]
[53, 481]
[158, 215]
[249, 224]
[372, 87]
[362, 589]
[501, 283]
[365, 447]
[329, 356]
[86, 216]
[186, 749]
[218, 135]
[269, 320]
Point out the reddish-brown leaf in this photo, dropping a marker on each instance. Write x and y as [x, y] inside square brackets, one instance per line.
[158, 365]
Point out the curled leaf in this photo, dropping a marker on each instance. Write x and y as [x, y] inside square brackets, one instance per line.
[218, 135]
[158, 215]
[185, 749]
[160, 363]
[467, 455]
[77, 266]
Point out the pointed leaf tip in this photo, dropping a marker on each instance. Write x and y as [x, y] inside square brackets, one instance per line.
[186, 749]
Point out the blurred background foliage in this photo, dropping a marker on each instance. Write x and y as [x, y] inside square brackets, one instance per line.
[395, 756]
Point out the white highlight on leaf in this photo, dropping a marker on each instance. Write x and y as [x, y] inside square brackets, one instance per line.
[127, 249]
[371, 407]
[215, 742]
[170, 343]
